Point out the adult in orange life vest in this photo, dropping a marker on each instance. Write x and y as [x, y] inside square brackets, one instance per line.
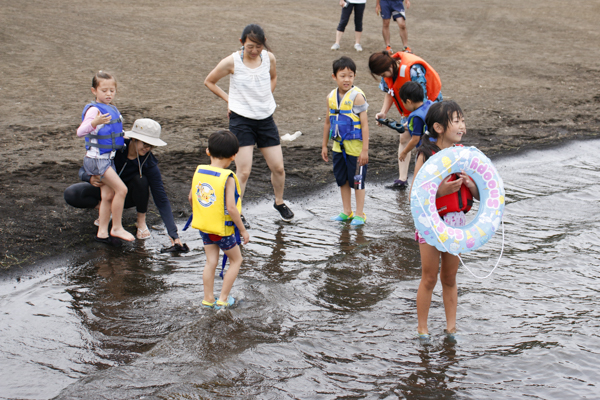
[395, 70]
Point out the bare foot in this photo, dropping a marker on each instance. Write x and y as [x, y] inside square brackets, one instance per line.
[122, 234]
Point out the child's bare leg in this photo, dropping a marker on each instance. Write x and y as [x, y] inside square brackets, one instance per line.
[360, 202]
[104, 211]
[208, 276]
[430, 260]
[403, 165]
[112, 180]
[346, 193]
[235, 261]
[448, 272]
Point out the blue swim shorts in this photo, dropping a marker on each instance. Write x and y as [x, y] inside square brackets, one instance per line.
[224, 242]
[392, 8]
[345, 170]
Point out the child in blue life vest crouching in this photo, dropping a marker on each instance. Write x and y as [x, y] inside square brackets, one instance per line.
[347, 125]
[217, 205]
[411, 95]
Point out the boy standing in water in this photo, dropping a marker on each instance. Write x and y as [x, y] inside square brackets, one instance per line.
[217, 205]
[347, 125]
[411, 94]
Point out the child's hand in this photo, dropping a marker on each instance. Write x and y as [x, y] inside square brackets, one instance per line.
[363, 158]
[402, 156]
[324, 153]
[447, 188]
[101, 119]
[380, 115]
[245, 236]
[467, 181]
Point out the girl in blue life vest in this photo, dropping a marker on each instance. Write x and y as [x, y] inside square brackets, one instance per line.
[217, 204]
[102, 128]
[347, 125]
[446, 125]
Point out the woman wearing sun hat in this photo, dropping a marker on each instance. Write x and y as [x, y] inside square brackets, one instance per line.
[138, 169]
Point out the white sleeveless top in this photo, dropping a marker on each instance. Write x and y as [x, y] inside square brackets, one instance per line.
[250, 89]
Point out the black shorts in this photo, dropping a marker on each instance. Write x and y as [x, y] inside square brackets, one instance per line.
[262, 132]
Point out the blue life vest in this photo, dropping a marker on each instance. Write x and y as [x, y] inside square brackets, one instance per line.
[421, 113]
[345, 125]
[110, 137]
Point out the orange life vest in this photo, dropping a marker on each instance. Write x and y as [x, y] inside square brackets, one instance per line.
[407, 60]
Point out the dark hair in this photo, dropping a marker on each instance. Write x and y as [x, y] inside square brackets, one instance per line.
[101, 75]
[342, 63]
[256, 34]
[381, 62]
[442, 114]
[223, 144]
[412, 91]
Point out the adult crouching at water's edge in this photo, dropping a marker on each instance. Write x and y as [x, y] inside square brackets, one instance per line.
[250, 109]
[138, 169]
[395, 70]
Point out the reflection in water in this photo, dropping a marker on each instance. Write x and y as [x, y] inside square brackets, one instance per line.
[432, 376]
[327, 311]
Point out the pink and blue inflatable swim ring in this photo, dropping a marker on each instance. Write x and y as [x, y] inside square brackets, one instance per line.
[431, 226]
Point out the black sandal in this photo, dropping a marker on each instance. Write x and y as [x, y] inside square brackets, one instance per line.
[111, 241]
[176, 248]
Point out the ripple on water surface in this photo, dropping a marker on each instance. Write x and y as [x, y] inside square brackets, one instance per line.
[328, 311]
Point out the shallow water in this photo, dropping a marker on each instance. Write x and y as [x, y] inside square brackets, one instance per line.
[326, 311]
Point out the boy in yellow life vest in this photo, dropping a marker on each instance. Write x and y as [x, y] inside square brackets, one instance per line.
[347, 125]
[217, 205]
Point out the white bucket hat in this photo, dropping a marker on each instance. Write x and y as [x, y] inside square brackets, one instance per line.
[146, 130]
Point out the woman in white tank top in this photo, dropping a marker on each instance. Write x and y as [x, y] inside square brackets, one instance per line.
[250, 109]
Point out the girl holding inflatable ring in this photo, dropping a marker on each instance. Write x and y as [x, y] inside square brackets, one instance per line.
[446, 128]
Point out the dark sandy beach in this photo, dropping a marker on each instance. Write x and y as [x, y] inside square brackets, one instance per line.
[525, 72]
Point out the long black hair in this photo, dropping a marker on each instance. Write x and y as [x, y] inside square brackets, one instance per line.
[440, 113]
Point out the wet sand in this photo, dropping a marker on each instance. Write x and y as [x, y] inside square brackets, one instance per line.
[525, 74]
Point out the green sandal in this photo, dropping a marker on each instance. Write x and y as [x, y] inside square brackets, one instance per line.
[343, 217]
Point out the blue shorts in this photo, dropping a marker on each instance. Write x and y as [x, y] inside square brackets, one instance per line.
[345, 170]
[224, 242]
[392, 8]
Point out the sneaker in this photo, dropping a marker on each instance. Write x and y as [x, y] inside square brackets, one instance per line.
[342, 217]
[358, 47]
[399, 185]
[206, 304]
[357, 220]
[286, 213]
[424, 338]
[335, 46]
[224, 304]
[451, 336]
[407, 50]
[388, 48]
[246, 224]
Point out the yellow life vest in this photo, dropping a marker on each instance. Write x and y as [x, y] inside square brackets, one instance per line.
[345, 125]
[208, 200]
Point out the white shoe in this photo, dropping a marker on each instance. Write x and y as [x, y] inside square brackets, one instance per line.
[358, 47]
[335, 46]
